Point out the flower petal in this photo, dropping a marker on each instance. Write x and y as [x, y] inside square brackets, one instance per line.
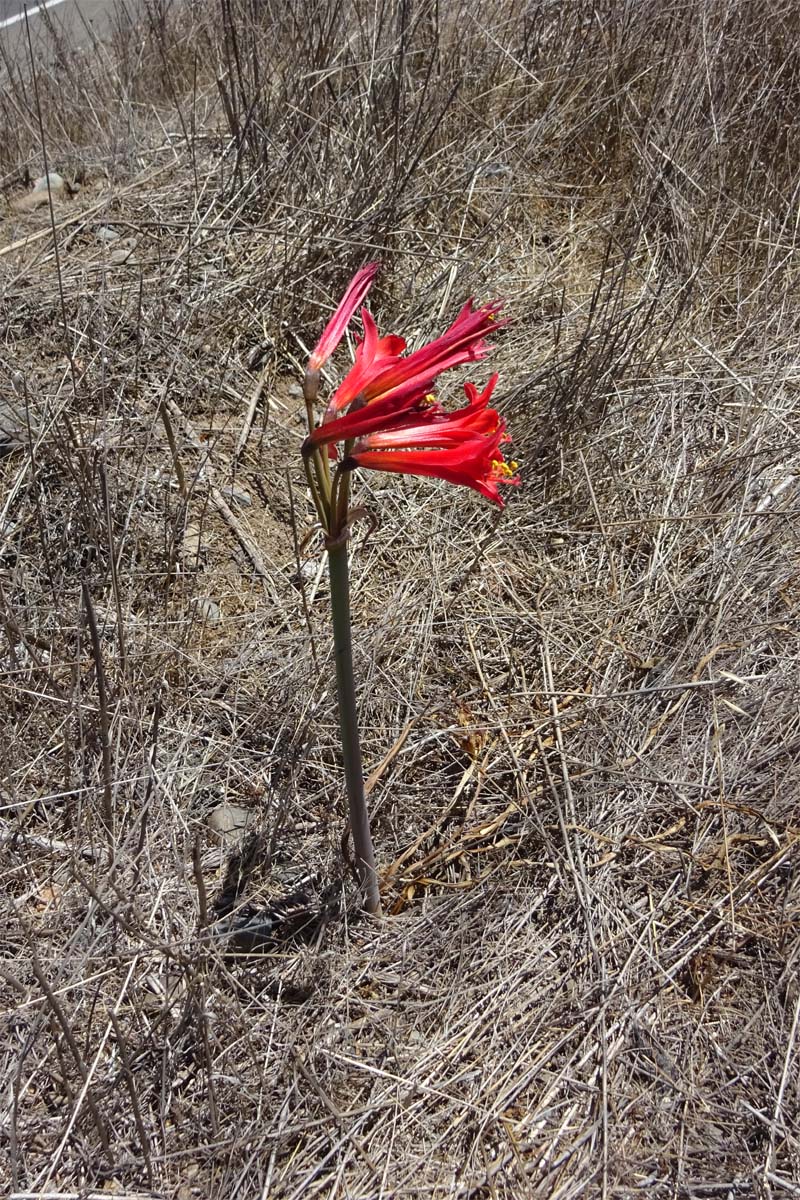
[380, 414]
[373, 355]
[470, 465]
[334, 331]
[463, 448]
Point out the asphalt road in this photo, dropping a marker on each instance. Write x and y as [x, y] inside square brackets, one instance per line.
[79, 20]
[9, 8]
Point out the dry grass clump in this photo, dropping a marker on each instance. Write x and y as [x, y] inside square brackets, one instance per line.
[581, 717]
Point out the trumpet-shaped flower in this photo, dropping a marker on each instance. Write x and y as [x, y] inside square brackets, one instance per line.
[377, 414]
[463, 447]
[334, 331]
[474, 464]
[374, 355]
[380, 369]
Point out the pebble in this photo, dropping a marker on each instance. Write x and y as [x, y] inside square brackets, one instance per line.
[193, 546]
[492, 170]
[236, 496]
[310, 569]
[106, 234]
[56, 181]
[209, 610]
[227, 821]
[122, 253]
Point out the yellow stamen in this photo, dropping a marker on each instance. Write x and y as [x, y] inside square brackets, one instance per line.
[503, 469]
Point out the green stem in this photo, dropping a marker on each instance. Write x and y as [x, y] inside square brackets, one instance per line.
[315, 496]
[348, 721]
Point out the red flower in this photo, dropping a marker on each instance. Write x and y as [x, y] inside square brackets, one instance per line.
[373, 355]
[471, 464]
[379, 370]
[384, 409]
[461, 447]
[377, 414]
[334, 331]
[432, 426]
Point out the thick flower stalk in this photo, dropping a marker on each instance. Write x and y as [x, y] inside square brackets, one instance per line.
[384, 416]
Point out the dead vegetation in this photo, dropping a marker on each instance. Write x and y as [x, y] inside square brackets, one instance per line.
[581, 717]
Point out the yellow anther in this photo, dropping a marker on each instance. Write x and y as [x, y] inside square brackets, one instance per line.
[503, 469]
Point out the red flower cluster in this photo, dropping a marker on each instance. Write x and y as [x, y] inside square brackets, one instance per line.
[384, 410]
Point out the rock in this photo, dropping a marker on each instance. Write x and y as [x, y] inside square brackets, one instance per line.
[310, 569]
[59, 189]
[193, 547]
[236, 496]
[227, 821]
[492, 170]
[122, 252]
[209, 610]
[57, 183]
[106, 234]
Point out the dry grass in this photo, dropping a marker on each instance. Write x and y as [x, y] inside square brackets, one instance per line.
[584, 713]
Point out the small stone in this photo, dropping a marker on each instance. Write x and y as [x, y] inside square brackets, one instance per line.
[106, 234]
[55, 180]
[492, 170]
[209, 610]
[236, 496]
[122, 253]
[193, 547]
[227, 821]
